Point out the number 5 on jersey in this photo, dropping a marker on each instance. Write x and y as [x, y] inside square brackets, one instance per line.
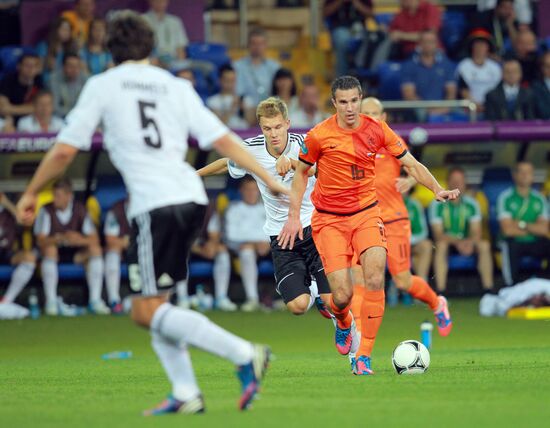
[146, 108]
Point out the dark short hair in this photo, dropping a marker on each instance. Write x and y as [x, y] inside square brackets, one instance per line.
[63, 183]
[129, 37]
[26, 55]
[283, 73]
[257, 32]
[499, 2]
[68, 55]
[345, 83]
[245, 180]
[224, 68]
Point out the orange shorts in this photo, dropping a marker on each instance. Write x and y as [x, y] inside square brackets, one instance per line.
[398, 234]
[339, 237]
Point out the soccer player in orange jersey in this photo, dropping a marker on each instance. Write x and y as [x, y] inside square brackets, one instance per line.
[347, 218]
[389, 185]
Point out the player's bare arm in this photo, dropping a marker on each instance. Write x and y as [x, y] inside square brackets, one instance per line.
[229, 146]
[215, 168]
[293, 226]
[421, 174]
[54, 164]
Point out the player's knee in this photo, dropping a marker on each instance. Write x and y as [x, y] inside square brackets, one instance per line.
[483, 246]
[49, 252]
[29, 257]
[441, 246]
[402, 280]
[375, 281]
[95, 250]
[342, 296]
[299, 305]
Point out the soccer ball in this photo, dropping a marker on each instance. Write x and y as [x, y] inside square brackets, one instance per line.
[410, 357]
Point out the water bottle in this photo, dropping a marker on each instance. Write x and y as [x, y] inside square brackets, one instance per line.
[117, 355]
[33, 305]
[426, 334]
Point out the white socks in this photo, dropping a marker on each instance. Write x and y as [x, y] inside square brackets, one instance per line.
[94, 277]
[181, 290]
[249, 273]
[19, 278]
[50, 278]
[177, 363]
[112, 276]
[222, 274]
[189, 327]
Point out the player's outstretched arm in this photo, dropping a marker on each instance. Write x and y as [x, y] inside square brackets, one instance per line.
[229, 146]
[56, 161]
[215, 168]
[421, 174]
[293, 226]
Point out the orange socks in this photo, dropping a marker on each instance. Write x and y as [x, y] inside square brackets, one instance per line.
[422, 291]
[343, 316]
[357, 303]
[372, 311]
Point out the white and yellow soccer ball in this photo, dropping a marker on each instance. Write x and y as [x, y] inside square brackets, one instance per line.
[410, 357]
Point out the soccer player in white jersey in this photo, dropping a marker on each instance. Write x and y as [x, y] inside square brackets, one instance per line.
[147, 116]
[299, 272]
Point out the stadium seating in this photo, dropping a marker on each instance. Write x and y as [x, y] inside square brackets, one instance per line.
[212, 52]
[453, 30]
[9, 55]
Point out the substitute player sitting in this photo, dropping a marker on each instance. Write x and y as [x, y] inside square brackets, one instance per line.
[117, 238]
[64, 231]
[347, 218]
[299, 273]
[395, 216]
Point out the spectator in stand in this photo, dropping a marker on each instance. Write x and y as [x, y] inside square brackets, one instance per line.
[478, 74]
[80, 18]
[428, 75]
[117, 238]
[509, 101]
[457, 225]
[346, 21]
[235, 111]
[6, 125]
[308, 113]
[59, 42]
[12, 252]
[94, 54]
[17, 90]
[525, 51]
[66, 84]
[541, 87]
[284, 87]
[244, 234]
[500, 22]
[65, 232]
[255, 72]
[170, 36]
[43, 119]
[523, 217]
[414, 18]
[421, 245]
[522, 10]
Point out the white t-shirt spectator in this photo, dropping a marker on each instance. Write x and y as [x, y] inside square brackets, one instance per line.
[244, 223]
[479, 79]
[223, 103]
[300, 119]
[169, 33]
[30, 124]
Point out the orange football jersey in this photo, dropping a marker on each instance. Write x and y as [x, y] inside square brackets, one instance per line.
[390, 201]
[345, 161]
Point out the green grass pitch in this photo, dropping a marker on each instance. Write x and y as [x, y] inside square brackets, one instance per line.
[488, 373]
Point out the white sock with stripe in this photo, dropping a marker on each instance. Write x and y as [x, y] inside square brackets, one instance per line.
[19, 278]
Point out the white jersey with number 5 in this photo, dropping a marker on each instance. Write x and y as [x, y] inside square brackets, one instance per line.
[147, 116]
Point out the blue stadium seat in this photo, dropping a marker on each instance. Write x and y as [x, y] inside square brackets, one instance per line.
[200, 268]
[453, 29]
[108, 191]
[9, 55]
[459, 262]
[213, 52]
[495, 181]
[5, 272]
[265, 268]
[389, 86]
[71, 271]
[384, 18]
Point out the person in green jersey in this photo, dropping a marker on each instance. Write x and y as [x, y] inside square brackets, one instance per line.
[456, 225]
[523, 217]
[421, 245]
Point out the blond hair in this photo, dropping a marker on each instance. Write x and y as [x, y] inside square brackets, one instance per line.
[271, 107]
